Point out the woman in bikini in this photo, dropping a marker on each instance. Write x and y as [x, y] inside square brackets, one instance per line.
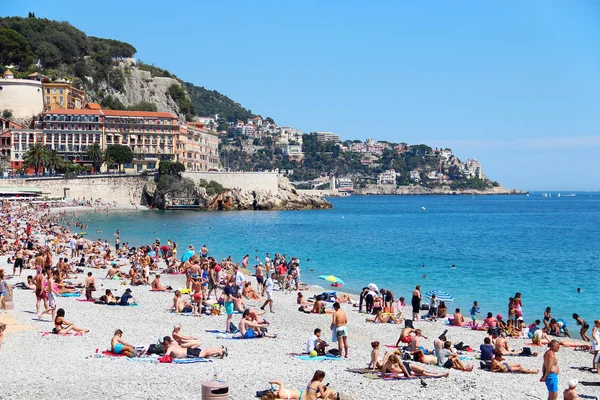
[62, 326]
[316, 390]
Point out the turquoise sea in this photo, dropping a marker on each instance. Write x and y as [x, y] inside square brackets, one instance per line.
[543, 247]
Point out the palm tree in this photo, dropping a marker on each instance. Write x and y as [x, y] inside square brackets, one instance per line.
[36, 157]
[96, 156]
[54, 161]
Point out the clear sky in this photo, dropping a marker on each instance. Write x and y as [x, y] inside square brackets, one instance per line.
[514, 84]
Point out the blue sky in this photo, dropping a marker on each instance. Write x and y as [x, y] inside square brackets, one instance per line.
[514, 84]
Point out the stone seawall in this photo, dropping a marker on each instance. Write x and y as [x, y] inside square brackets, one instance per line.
[248, 181]
[122, 189]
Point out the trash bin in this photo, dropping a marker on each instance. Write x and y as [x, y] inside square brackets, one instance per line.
[215, 390]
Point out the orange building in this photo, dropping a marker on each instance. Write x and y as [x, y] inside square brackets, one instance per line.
[61, 95]
[197, 148]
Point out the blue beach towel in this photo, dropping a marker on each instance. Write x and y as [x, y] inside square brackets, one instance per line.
[70, 295]
[190, 360]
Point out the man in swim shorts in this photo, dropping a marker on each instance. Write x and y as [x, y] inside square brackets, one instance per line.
[174, 350]
[550, 370]
[405, 336]
[339, 322]
[119, 346]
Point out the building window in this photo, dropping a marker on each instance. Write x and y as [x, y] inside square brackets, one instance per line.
[61, 90]
[54, 91]
[47, 99]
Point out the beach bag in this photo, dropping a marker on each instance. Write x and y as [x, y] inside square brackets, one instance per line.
[261, 393]
[424, 306]
[526, 352]
[156, 349]
[233, 328]
[334, 352]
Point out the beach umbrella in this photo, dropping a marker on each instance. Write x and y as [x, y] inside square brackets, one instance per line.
[187, 255]
[333, 279]
[440, 295]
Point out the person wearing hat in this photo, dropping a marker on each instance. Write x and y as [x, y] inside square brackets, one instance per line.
[127, 298]
[571, 393]
[500, 323]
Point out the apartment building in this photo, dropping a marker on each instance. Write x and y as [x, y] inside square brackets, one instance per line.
[197, 148]
[61, 95]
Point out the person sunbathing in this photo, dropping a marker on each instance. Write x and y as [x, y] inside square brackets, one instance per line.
[500, 365]
[384, 318]
[249, 293]
[174, 350]
[119, 346]
[183, 340]
[420, 356]
[343, 298]
[282, 392]
[157, 286]
[109, 298]
[113, 271]
[62, 326]
[447, 358]
[250, 329]
[393, 366]
[319, 307]
[301, 300]
[316, 390]
[180, 305]
[501, 345]
[459, 319]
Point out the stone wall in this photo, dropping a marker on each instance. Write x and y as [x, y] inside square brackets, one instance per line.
[122, 189]
[249, 181]
[22, 96]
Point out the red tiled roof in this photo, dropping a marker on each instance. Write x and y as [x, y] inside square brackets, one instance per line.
[93, 106]
[124, 113]
[6, 134]
[74, 112]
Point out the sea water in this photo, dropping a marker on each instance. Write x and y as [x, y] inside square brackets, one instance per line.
[544, 247]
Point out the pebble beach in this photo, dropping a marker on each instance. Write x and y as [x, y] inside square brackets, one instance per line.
[66, 367]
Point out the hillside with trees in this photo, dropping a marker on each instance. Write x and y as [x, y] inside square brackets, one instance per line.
[92, 64]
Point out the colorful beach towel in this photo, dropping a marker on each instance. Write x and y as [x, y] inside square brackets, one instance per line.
[70, 295]
[108, 353]
[67, 334]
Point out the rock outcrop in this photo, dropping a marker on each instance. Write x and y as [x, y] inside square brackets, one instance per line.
[421, 190]
[175, 193]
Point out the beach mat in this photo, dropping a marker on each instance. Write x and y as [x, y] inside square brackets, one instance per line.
[407, 378]
[368, 373]
[589, 383]
[318, 358]
[111, 354]
[69, 295]
[85, 301]
[56, 334]
[190, 360]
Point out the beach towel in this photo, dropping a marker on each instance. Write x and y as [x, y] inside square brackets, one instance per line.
[215, 331]
[69, 295]
[67, 334]
[318, 358]
[391, 377]
[108, 353]
[85, 301]
[190, 360]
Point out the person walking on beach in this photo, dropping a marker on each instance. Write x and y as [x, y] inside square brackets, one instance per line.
[596, 345]
[550, 370]
[338, 322]
[416, 302]
[268, 290]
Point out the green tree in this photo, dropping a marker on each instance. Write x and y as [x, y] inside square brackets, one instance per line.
[180, 96]
[143, 106]
[36, 157]
[171, 168]
[95, 155]
[14, 48]
[118, 154]
[54, 161]
[7, 114]
[112, 103]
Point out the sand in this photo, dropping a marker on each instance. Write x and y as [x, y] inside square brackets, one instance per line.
[56, 367]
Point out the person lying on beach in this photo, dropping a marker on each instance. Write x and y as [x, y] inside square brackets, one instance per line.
[157, 286]
[108, 298]
[62, 326]
[500, 365]
[501, 346]
[420, 356]
[184, 340]
[459, 319]
[406, 336]
[382, 318]
[395, 367]
[540, 337]
[282, 392]
[180, 305]
[447, 358]
[119, 346]
[174, 350]
[250, 329]
[343, 298]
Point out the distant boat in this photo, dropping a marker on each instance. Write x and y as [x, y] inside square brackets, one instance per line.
[545, 194]
[569, 195]
[423, 208]
[558, 195]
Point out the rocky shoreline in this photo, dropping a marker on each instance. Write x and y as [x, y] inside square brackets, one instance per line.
[414, 190]
[183, 193]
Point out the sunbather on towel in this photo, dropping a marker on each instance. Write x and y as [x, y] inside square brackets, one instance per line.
[251, 329]
[62, 326]
[396, 367]
[500, 365]
[184, 341]
[174, 350]
[119, 346]
[382, 318]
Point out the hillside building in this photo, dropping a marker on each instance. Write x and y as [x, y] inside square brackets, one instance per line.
[327, 137]
[22, 96]
[387, 177]
[197, 148]
[62, 95]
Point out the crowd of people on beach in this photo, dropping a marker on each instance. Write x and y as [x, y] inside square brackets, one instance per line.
[32, 241]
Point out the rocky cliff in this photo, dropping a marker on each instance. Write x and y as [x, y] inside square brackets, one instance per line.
[138, 85]
[174, 192]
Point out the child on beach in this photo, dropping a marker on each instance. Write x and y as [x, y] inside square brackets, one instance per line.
[433, 308]
[474, 311]
[375, 363]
